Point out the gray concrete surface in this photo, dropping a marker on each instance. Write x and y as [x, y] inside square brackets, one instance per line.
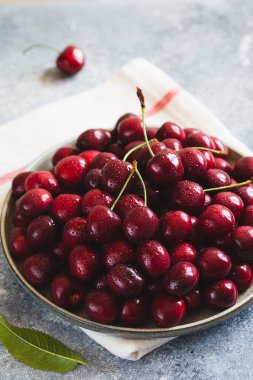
[207, 46]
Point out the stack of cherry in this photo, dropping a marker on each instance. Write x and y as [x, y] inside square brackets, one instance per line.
[84, 228]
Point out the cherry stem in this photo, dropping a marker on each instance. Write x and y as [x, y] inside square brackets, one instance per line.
[248, 182]
[137, 147]
[221, 152]
[125, 185]
[43, 46]
[142, 103]
[143, 186]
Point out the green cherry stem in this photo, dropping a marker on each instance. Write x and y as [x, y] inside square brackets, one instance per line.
[248, 182]
[143, 186]
[142, 102]
[125, 185]
[137, 147]
[220, 152]
[43, 46]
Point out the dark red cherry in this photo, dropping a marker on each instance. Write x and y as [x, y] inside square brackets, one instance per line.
[103, 224]
[241, 275]
[193, 237]
[231, 200]
[223, 242]
[89, 155]
[140, 224]
[247, 216]
[219, 145]
[142, 155]
[165, 168]
[19, 221]
[171, 130]
[135, 311]
[43, 179]
[221, 294]
[199, 139]
[114, 175]
[193, 300]
[216, 220]
[122, 117]
[92, 179]
[188, 196]
[180, 279]
[126, 203]
[173, 144]
[39, 269]
[153, 258]
[42, 233]
[18, 184]
[222, 164]
[116, 149]
[96, 197]
[130, 146]
[34, 202]
[84, 262]
[129, 129]
[61, 251]
[101, 306]
[243, 169]
[100, 283]
[70, 60]
[213, 264]
[188, 131]
[151, 133]
[71, 170]
[153, 193]
[242, 238]
[209, 159]
[207, 200]
[117, 252]
[168, 311]
[183, 252]
[101, 159]
[65, 207]
[63, 152]
[67, 292]
[19, 246]
[75, 232]
[175, 227]
[94, 139]
[217, 178]
[246, 193]
[194, 163]
[154, 287]
[16, 231]
[125, 281]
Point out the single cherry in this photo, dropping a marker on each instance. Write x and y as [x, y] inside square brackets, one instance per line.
[222, 164]
[181, 278]
[194, 163]
[116, 149]
[71, 60]
[217, 178]
[243, 169]
[183, 252]
[19, 246]
[216, 220]
[75, 232]
[247, 216]
[242, 238]
[103, 225]
[34, 202]
[241, 275]
[96, 197]
[65, 207]
[213, 264]
[117, 252]
[126, 203]
[94, 139]
[84, 262]
[43, 179]
[188, 131]
[135, 311]
[173, 144]
[219, 145]
[63, 152]
[188, 196]
[67, 292]
[221, 294]
[101, 159]
[125, 281]
[88, 155]
[246, 193]
[171, 130]
[101, 306]
[42, 233]
[153, 258]
[39, 269]
[71, 170]
[209, 159]
[142, 155]
[61, 251]
[231, 200]
[199, 139]
[18, 184]
[19, 221]
[193, 300]
[114, 175]
[129, 129]
[168, 311]
[92, 179]
[175, 227]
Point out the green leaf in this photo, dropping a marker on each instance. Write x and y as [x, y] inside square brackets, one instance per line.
[37, 349]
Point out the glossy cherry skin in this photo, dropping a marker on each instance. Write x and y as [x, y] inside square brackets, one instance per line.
[34, 202]
[171, 130]
[125, 281]
[43, 179]
[153, 258]
[193, 300]
[241, 275]
[188, 196]
[213, 264]
[126, 203]
[19, 246]
[96, 197]
[65, 207]
[92, 179]
[168, 311]
[194, 162]
[103, 225]
[165, 168]
[231, 200]
[221, 294]
[70, 60]
[100, 283]
[180, 279]
[219, 145]
[199, 139]
[142, 155]
[209, 159]
[222, 164]
[39, 269]
[246, 193]
[174, 227]
[101, 159]
[84, 262]
[207, 200]
[217, 178]
[61, 251]
[247, 216]
[71, 170]
[18, 184]
[42, 233]
[67, 292]
[243, 169]
[114, 176]
[63, 152]
[89, 155]
[188, 131]
[153, 193]
[101, 306]
[173, 144]
[193, 237]
[135, 311]
[242, 238]
[130, 146]
[151, 132]
[75, 232]
[19, 221]
[216, 220]
[94, 139]
[116, 149]
[140, 224]
[183, 252]
[129, 129]
[117, 252]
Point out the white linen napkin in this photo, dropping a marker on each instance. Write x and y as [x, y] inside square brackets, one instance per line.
[25, 138]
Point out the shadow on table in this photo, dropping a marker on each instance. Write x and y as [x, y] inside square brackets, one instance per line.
[53, 75]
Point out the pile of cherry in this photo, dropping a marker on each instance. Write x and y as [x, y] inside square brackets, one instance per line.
[83, 227]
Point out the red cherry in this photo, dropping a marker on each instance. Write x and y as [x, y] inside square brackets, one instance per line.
[42, 179]
[217, 178]
[135, 311]
[125, 281]
[213, 264]
[124, 116]
[242, 276]
[173, 144]
[207, 200]
[193, 300]
[71, 170]
[94, 139]
[170, 130]
[114, 176]
[243, 169]
[18, 184]
[116, 149]
[223, 242]
[181, 278]
[129, 129]
[209, 159]
[92, 179]
[175, 227]
[67, 292]
[16, 231]
[168, 311]
[42, 233]
[216, 220]
[101, 159]
[84, 262]
[61, 251]
[63, 152]
[126, 203]
[34, 202]
[188, 196]
[219, 145]
[19, 221]
[246, 193]
[231, 200]
[193, 237]
[153, 193]
[88, 155]
[96, 197]
[242, 238]
[194, 163]
[222, 164]
[103, 224]
[117, 252]
[153, 258]
[199, 139]
[130, 146]
[183, 252]
[101, 306]
[65, 207]
[70, 60]
[151, 133]
[75, 232]
[19, 246]
[154, 287]
[188, 131]
[39, 269]
[247, 216]
[221, 294]
[100, 283]
[142, 155]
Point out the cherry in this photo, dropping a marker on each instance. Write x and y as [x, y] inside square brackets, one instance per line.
[103, 224]
[125, 281]
[154, 287]
[153, 258]
[168, 311]
[61, 251]
[165, 168]
[199, 139]
[101, 159]
[219, 145]
[71, 170]
[153, 193]
[42, 233]
[116, 149]
[19, 221]
[247, 216]
[209, 159]
[39, 269]
[117, 252]
[126, 203]
[246, 193]
[171, 130]
[63, 152]
[242, 276]
[101, 306]
[242, 238]
[223, 242]
[129, 129]
[114, 175]
[194, 162]
[193, 300]
[19, 246]
[207, 200]
[188, 131]
[217, 178]
[94, 139]
[34, 202]
[96, 197]
[173, 144]
[89, 155]
[183, 252]
[65, 207]
[193, 237]
[188, 196]
[231, 200]
[18, 184]
[130, 146]
[92, 179]
[42, 179]
[135, 311]
[181, 278]
[100, 283]
[175, 226]
[140, 224]
[243, 169]
[122, 117]
[213, 264]
[151, 132]
[70, 60]
[75, 232]
[84, 262]
[221, 294]
[222, 164]
[67, 292]
[16, 231]
[216, 220]
[142, 155]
